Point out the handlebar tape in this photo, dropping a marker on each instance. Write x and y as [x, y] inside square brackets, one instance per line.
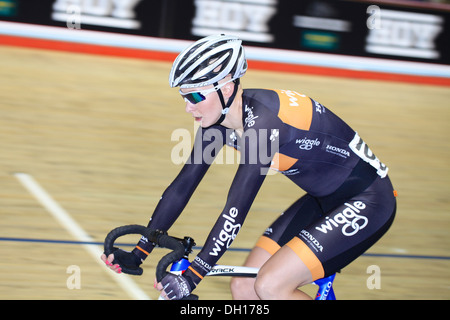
[177, 253]
[119, 232]
[161, 239]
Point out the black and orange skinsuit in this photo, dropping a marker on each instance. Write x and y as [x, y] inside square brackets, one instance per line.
[349, 202]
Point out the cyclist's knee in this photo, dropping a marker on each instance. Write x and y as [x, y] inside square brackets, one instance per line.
[274, 282]
[266, 287]
[242, 288]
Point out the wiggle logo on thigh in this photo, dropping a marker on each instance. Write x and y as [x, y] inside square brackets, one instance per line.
[349, 219]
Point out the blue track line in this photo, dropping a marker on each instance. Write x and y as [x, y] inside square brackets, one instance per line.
[379, 255]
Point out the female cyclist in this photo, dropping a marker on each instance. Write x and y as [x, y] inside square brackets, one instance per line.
[349, 202]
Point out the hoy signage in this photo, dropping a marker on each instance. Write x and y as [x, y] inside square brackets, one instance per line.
[407, 34]
[106, 13]
[247, 19]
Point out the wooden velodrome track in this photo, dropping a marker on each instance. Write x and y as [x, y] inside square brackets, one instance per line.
[95, 133]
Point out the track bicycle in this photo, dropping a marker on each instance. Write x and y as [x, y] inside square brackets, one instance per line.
[178, 258]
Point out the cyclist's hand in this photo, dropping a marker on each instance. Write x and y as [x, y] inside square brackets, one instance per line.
[109, 262]
[122, 261]
[174, 287]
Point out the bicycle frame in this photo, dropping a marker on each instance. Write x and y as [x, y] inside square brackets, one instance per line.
[325, 291]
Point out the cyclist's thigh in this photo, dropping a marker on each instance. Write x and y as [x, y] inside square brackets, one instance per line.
[300, 214]
[257, 257]
[344, 233]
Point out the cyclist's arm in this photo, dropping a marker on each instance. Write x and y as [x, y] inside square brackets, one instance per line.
[178, 193]
[255, 162]
[243, 191]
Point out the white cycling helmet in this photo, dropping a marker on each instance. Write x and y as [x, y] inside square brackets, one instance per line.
[208, 61]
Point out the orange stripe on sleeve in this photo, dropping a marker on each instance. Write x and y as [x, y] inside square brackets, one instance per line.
[195, 272]
[267, 244]
[308, 257]
[140, 249]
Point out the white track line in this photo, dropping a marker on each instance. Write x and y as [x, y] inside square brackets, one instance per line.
[64, 218]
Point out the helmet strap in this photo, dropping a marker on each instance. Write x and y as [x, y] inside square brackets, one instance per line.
[226, 107]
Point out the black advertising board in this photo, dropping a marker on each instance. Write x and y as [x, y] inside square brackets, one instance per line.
[348, 27]
[139, 17]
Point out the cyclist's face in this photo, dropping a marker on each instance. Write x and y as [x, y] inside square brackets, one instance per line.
[206, 112]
